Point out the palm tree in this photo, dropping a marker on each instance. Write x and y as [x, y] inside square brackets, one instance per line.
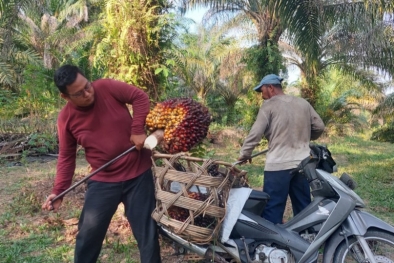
[344, 103]
[385, 111]
[34, 38]
[14, 55]
[351, 43]
[235, 81]
[270, 19]
[129, 46]
[51, 26]
[304, 22]
[199, 59]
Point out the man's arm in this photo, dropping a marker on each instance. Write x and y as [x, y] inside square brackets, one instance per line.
[141, 105]
[317, 125]
[255, 134]
[65, 166]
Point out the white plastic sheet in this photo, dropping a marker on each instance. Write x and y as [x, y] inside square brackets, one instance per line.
[235, 203]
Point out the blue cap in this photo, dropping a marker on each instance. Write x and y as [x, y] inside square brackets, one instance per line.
[269, 79]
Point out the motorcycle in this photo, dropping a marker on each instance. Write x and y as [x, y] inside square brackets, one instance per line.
[332, 228]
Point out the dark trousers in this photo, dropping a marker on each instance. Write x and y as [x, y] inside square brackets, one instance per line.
[280, 184]
[101, 202]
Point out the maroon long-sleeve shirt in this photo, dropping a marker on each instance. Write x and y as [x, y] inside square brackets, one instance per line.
[103, 129]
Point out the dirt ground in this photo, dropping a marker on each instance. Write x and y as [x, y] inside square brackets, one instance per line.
[26, 186]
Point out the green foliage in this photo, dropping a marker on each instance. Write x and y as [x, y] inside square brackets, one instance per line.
[51, 27]
[218, 109]
[43, 143]
[336, 112]
[38, 96]
[12, 65]
[301, 19]
[200, 150]
[247, 108]
[25, 250]
[344, 103]
[385, 111]
[7, 102]
[29, 125]
[384, 133]
[27, 202]
[14, 55]
[170, 87]
[243, 114]
[172, 25]
[199, 57]
[263, 60]
[129, 44]
[81, 56]
[34, 245]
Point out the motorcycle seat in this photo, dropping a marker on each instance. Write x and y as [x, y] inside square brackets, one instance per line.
[256, 202]
[259, 195]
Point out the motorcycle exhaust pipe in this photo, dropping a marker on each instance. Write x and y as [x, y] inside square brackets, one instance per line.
[201, 251]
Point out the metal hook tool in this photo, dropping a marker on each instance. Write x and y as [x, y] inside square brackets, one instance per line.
[254, 155]
[150, 143]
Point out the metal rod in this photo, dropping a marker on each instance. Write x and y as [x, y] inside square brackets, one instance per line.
[91, 174]
[370, 257]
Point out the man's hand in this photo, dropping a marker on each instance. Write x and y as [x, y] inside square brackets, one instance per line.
[138, 140]
[244, 160]
[49, 206]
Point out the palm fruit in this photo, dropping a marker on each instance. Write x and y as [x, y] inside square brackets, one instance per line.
[185, 123]
[182, 214]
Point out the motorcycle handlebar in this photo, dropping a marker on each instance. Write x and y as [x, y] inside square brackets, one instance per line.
[308, 168]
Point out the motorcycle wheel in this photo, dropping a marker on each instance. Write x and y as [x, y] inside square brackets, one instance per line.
[381, 244]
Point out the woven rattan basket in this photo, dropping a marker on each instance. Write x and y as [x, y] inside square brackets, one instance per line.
[179, 179]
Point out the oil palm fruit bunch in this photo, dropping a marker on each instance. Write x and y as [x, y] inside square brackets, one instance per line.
[185, 123]
[178, 213]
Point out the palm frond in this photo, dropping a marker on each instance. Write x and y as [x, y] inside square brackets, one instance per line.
[7, 75]
[302, 19]
[386, 107]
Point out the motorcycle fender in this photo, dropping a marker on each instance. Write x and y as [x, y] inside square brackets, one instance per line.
[357, 223]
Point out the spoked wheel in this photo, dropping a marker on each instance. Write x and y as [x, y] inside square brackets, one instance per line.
[381, 244]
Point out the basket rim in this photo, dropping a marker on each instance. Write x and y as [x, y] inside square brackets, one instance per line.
[186, 156]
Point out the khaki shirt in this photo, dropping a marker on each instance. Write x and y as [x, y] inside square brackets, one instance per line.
[288, 123]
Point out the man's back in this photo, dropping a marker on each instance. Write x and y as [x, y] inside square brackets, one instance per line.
[291, 122]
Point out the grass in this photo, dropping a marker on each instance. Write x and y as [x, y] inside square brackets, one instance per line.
[372, 165]
[31, 235]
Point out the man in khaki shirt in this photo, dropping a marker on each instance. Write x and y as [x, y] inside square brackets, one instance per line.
[288, 123]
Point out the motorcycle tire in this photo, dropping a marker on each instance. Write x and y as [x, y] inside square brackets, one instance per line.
[380, 242]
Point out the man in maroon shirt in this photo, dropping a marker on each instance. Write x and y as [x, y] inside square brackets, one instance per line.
[96, 117]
